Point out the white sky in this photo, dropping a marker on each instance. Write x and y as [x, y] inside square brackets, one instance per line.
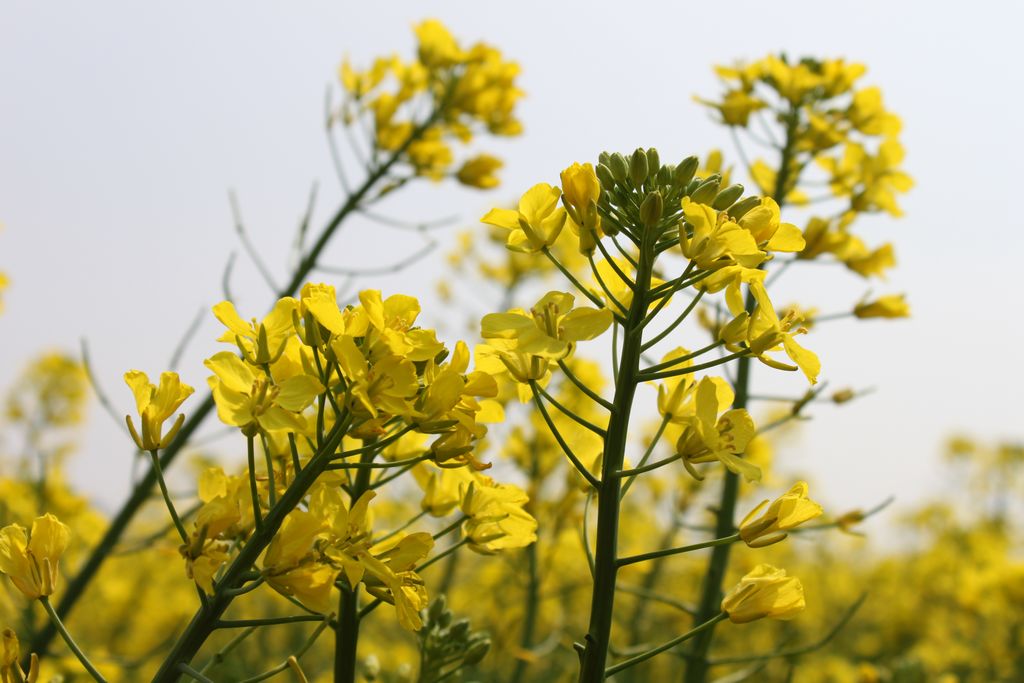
[125, 123]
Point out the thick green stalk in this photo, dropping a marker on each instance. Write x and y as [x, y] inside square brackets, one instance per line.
[697, 667]
[346, 637]
[141, 493]
[606, 547]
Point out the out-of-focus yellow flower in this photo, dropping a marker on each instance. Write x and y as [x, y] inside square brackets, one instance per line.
[708, 436]
[736, 107]
[479, 172]
[537, 222]
[763, 527]
[156, 405]
[764, 592]
[10, 656]
[292, 567]
[437, 46]
[497, 520]
[31, 560]
[889, 306]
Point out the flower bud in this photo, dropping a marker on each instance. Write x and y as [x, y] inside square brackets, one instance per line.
[651, 210]
[653, 162]
[727, 197]
[685, 170]
[619, 168]
[477, 651]
[740, 209]
[706, 191]
[638, 168]
[604, 174]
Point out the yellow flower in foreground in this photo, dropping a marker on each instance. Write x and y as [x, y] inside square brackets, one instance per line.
[245, 398]
[581, 191]
[496, 518]
[156, 405]
[764, 592]
[786, 512]
[31, 561]
[537, 222]
[889, 306]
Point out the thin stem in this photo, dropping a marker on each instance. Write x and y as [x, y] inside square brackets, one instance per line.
[647, 454]
[620, 309]
[167, 497]
[220, 654]
[268, 621]
[570, 414]
[675, 323]
[655, 554]
[643, 657]
[645, 377]
[580, 467]
[614, 266]
[664, 299]
[59, 625]
[682, 359]
[590, 393]
[254, 492]
[648, 468]
[594, 299]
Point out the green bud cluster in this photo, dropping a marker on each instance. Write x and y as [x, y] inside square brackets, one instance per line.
[448, 644]
[642, 196]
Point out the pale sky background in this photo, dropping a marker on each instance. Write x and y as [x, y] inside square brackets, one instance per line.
[124, 124]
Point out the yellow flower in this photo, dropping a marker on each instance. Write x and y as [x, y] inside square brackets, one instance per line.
[581, 191]
[249, 400]
[537, 222]
[551, 328]
[764, 592]
[31, 561]
[497, 520]
[889, 306]
[260, 343]
[291, 565]
[479, 172]
[155, 406]
[768, 332]
[10, 668]
[437, 46]
[736, 107]
[714, 240]
[764, 222]
[708, 437]
[786, 512]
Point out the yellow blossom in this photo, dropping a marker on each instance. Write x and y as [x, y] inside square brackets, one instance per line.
[763, 526]
[537, 222]
[889, 306]
[764, 592]
[479, 172]
[156, 405]
[31, 560]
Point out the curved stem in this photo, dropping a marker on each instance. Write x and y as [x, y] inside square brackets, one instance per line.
[643, 657]
[59, 625]
[167, 497]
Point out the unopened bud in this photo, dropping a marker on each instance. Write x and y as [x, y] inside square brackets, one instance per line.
[685, 170]
[651, 209]
[706, 191]
[477, 651]
[619, 167]
[843, 395]
[604, 174]
[727, 197]
[740, 209]
[665, 174]
[653, 162]
[638, 168]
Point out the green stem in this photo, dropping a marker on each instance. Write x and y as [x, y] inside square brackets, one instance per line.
[580, 467]
[346, 637]
[647, 455]
[570, 414]
[254, 491]
[167, 497]
[594, 299]
[675, 323]
[632, 559]
[598, 638]
[643, 657]
[590, 393]
[59, 625]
